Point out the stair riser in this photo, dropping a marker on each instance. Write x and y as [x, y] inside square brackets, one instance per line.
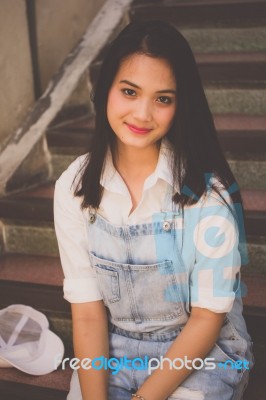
[197, 14]
[249, 174]
[222, 72]
[237, 101]
[226, 40]
[38, 240]
[42, 241]
[257, 257]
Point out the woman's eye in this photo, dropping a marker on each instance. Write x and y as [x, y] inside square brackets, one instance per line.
[129, 92]
[164, 100]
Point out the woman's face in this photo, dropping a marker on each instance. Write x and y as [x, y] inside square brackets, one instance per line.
[142, 101]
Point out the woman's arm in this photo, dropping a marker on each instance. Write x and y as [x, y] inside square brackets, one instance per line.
[195, 341]
[90, 335]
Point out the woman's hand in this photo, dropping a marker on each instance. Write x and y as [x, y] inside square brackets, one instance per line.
[195, 341]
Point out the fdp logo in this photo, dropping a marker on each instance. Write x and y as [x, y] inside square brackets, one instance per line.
[209, 237]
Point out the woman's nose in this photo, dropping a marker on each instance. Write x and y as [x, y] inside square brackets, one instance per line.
[143, 110]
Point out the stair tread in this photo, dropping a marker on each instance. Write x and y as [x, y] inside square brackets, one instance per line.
[222, 122]
[254, 200]
[231, 128]
[31, 269]
[58, 379]
[231, 58]
[46, 270]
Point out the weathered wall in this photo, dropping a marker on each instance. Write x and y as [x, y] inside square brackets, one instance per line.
[60, 24]
[59, 28]
[17, 94]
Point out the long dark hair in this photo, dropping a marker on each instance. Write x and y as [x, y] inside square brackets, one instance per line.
[197, 153]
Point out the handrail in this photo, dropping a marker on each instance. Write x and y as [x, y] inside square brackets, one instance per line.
[110, 16]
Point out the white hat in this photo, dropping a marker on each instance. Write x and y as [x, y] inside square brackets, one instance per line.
[26, 341]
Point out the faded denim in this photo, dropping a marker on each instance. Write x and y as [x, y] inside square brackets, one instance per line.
[146, 292]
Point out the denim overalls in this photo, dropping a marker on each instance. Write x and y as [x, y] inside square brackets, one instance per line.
[143, 279]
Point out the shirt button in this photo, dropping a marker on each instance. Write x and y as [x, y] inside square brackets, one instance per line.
[92, 218]
[166, 226]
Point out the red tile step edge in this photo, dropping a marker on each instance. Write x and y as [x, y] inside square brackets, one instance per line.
[254, 200]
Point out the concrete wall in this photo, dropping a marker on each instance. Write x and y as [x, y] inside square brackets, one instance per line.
[60, 25]
[17, 94]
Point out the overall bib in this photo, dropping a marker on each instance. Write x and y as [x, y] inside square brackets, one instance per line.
[142, 275]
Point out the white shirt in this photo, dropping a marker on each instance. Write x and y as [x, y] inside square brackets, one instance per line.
[80, 284]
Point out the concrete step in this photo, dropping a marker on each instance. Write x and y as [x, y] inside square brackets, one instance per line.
[249, 169]
[236, 100]
[242, 137]
[225, 67]
[202, 12]
[232, 67]
[237, 133]
[225, 40]
[28, 280]
[28, 237]
[37, 282]
[28, 224]
[39, 239]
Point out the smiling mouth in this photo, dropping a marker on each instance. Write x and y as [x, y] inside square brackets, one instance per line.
[136, 129]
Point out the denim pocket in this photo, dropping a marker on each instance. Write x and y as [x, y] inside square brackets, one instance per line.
[139, 293]
[109, 283]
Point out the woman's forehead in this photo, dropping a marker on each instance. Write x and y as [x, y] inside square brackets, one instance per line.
[141, 69]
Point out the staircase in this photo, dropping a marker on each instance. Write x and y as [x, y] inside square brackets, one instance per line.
[229, 40]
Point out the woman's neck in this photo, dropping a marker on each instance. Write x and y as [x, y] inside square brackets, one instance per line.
[131, 161]
[134, 166]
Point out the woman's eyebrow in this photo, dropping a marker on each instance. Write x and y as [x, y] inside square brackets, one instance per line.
[138, 87]
[130, 83]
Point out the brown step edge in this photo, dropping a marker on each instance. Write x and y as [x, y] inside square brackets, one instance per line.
[18, 385]
[256, 289]
[36, 205]
[228, 68]
[235, 132]
[254, 200]
[232, 67]
[40, 271]
[36, 274]
[31, 269]
[201, 13]
[223, 122]
[33, 280]
[241, 133]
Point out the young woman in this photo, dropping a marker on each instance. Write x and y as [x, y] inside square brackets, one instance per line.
[148, 231]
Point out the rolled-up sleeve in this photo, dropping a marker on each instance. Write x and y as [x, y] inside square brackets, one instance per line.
[80, 284]
[215, 278]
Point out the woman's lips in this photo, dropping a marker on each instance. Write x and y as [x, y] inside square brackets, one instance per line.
[136, 129]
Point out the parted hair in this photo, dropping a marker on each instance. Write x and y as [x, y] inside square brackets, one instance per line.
[197, 152]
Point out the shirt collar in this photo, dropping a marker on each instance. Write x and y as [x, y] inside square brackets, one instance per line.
[112, 181]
